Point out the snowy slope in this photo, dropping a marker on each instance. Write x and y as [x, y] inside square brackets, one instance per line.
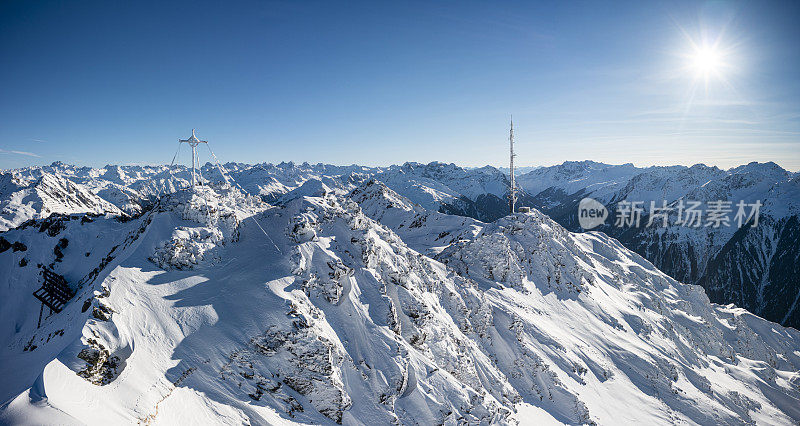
[191, 313]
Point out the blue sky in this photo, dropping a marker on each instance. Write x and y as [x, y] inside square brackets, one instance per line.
[380, 83]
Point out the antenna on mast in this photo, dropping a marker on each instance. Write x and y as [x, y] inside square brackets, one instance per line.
[193, 142]
[512, 194]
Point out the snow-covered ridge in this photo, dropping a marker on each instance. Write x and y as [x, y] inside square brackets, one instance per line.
[330, 316]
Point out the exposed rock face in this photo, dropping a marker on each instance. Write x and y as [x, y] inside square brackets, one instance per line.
[307, 362]
[101, 367]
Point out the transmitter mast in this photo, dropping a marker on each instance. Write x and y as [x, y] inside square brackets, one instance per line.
[512, 194]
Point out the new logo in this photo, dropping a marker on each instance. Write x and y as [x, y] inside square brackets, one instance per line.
[591, 213]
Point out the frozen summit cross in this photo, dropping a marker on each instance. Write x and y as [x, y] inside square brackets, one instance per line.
[193, 141]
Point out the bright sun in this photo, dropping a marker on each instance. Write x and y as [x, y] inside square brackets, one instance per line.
[707, 61]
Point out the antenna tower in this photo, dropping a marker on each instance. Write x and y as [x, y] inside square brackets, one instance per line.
[512, 194]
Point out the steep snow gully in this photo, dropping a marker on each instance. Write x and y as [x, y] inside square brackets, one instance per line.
[362, 307]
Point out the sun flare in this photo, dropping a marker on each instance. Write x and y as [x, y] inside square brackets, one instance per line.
[707, 60]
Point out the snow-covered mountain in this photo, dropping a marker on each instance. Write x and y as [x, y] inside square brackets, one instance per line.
[711, 257]
[697, 256]
[24, 197]
[753, 267]
[345, 302]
